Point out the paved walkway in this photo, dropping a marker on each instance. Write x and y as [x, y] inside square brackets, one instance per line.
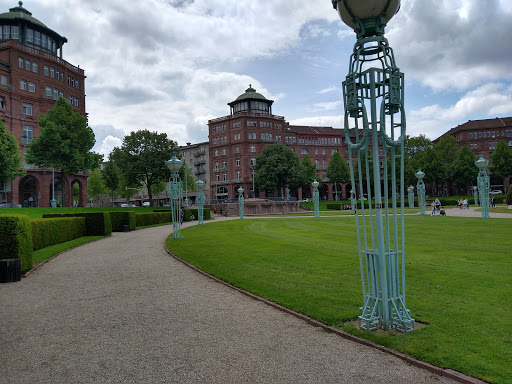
[121, 310]
[472, 212]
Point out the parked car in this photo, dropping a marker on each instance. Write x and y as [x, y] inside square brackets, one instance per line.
[496, 192]
[304, 200]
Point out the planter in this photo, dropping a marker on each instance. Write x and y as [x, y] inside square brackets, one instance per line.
[10, 270]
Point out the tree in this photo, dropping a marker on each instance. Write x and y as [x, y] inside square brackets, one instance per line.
[65, 141]
[111, 177]
[276, 167]
[95, 185]
[501, 161]
[308, 172]
[447, 148]
[142, 158]
[464, 169]
[338, 171]
[434, 168]
[10, 159]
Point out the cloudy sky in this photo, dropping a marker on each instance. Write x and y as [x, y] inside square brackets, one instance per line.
[170, 65]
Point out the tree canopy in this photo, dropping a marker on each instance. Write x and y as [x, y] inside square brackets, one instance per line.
[464, 169]
[142, 158]
[111, 177]
[65, 141]
[308, 172]
[10, 159]
[276, 167]
[501, 160]
[95, 184]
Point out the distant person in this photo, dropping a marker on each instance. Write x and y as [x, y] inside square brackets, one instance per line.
[438, 204]
[493, 202]
[465, 204]
[181, 217]
[433, 205]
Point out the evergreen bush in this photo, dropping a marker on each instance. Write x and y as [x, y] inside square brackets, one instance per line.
[509, 196]
[47, 232]
[119, 219]
[96, 223]
[16, 240]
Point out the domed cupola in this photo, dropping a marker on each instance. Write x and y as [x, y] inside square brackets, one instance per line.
[19, 24]
[251, 102]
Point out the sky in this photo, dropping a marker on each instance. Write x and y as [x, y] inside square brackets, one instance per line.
[171, 65]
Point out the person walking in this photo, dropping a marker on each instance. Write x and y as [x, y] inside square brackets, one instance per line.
[438, 205]
[493, 202]
[433, 205]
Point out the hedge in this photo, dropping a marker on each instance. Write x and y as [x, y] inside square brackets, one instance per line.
[16, 240]
[188, 212]
[119, 219]
[96, 223]
[151, 218]
[47, 232]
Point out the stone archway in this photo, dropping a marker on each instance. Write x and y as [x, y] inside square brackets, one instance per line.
[324, 191]
[60, 191]
[77, 193]
[221, 193]
[29, 192]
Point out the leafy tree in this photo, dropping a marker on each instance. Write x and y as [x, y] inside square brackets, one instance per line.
[65, 141]
[338, 171]
[10, 159]
[95, 185]
[434, 168]
[308, 172]
[501, 161]
[111, 177]
[448, 147]
[276, 167]
[186, 174]
[415, 146]
[142, 158]
[464, 169]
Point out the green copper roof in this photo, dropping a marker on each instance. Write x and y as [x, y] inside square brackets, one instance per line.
[250, 93]
[18, 13]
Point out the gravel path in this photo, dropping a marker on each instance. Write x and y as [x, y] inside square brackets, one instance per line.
[120, 310]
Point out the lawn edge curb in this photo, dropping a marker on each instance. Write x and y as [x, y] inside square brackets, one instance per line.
[449, 373]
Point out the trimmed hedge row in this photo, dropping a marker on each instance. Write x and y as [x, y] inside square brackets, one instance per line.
[188, 212]
[16, 240]
[119, 219]
[96, 223]
[151, 218]
[47, 232]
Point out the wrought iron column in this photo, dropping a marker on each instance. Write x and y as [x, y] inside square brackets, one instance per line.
[316, 198]
[475, 194]
[411, 196]
[483, 186]
[421, 191]
[175, 194]
[200, 201]
[373, 94]
[241, 202]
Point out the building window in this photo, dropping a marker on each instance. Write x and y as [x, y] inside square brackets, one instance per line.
[34, 67]
[238, 175]
[223, 152]
[52, 72]
[216, 169]
[216, 177]
[237, 149]
[304, 151]
[253, 162]
[7, 32]
[3, 80]
[237, 162]
[76, 101]
[253, 148]
[479, 134]
[27, 109]
[470, 135]
[23, 85]
[27, 64]
[14, 32]
[224, 177]
[27, 134]
[44, 40]
[216, 153]
[48, 91]
[30, 35]
[2, 103]
[55, 94]
[37, 38]
[21, 62]
[31, 86]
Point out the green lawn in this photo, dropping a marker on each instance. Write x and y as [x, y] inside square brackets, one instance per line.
[37, 213]
[458, 277]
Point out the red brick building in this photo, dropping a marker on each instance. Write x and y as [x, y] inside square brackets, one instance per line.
[33, 75]
[237, 139]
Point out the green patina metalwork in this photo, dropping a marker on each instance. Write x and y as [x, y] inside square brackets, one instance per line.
[420, 187]
[475, 194]
[410, 190]
[316, 198]
[483, 186]
[200, 201]
[241, 202]
[373, 93]
[175, 194]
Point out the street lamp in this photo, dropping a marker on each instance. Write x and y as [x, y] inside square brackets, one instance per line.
[175, 192]
[373, 95]
[186, 186]
[475, 194]
[241, 202]
[200, 201]
[421, 191]
[53, 202]
[411, 196]
[316, 197]
[483, 186]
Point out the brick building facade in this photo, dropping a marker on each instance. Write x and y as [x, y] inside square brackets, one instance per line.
[33, 75]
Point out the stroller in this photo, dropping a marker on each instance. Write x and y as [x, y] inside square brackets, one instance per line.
[442, 212]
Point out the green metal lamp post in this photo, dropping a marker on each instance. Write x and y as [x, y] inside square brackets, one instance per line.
[475, 194]
[373, 95]
[241, 201]
[185, 202]
[411, 196]
[316, 197]
[53, 202]
[175, 193]
[421, 191]
[200, 201]
[483, 186]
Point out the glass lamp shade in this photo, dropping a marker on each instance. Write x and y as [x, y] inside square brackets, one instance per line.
[200, 184]
[475, 188]
[240, 190]
[410, 189]
[364, 9]
[420, 174]
[481, 163]
[315, 184]
[174, 164]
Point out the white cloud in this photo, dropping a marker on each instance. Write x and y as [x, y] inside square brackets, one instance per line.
[108, 144]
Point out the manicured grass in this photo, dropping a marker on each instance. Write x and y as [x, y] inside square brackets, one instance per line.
[37, 213]
[48, 252]
[458, 280]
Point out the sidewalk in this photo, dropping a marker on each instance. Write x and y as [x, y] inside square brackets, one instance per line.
[472, 212]
[121, 310]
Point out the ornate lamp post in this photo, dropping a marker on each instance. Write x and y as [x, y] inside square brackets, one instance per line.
[411, 196]
[200, 201]
[373, 94]
[483, 186]
[53, 202]
[316, 197]
[241, 202]
[421, 191]
[185, 203]
[475, 194]
[175, 192]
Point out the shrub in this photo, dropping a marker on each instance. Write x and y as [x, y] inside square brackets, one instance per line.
[151, 218]
[119, 219]
[509, 196]
[96, 223]
[16, 239]
[46, 232]
[334, 206]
